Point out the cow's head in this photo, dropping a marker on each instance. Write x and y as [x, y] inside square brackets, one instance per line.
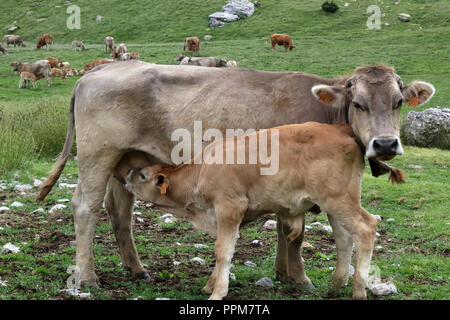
[291, 47]
[372, 98]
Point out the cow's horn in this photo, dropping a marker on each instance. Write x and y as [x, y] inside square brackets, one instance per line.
[349, 83]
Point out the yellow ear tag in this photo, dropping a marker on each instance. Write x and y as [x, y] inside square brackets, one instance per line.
[163, 188]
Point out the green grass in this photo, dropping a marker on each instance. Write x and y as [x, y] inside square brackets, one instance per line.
[415, 250]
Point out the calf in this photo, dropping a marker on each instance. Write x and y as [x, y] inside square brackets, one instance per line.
[58, 73]
[134, 55]
[191, 44]
[78, 44]
[14, 39]
[41, 69]
[310, 165]
[45, 40]
[119, 51]
[202, 62]
[95, 63]
[109, 44]
[27, 77]
[282, 40]
[3, 50]
[70, 72]
[54, 62]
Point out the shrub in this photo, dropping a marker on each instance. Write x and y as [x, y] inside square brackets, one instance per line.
[330, 6]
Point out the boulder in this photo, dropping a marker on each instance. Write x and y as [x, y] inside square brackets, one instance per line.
[224, 16]
[429, 128]
[238, 7]
[383, 288]
[13, 28]
[265, 282]
[404, 17]
[214, 23]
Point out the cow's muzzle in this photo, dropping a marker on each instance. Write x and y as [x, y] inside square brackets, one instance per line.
[384, 148]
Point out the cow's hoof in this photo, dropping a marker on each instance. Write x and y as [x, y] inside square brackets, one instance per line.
[207, 289]
[92, 284]
[307, 287]
[142, 276]
[282, 277]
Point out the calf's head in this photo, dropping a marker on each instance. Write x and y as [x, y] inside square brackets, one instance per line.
[372, 98]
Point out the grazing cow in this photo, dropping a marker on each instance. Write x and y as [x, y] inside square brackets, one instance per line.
[78, 44]
[134, 55]
[191, 44]
[282, 40]
[13, 39]
[95, 63]
[317, 165]
[58, 73]
[3, 50]
[176, 96]
[45, 40]
[41, 69]
[125, 56]
[27, 77]
[6, 36]
[119, 51]
[231, 64]
[54, 62]
[202, 62]
[109, 44]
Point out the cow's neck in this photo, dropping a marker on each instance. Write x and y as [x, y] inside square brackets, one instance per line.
[184, 179]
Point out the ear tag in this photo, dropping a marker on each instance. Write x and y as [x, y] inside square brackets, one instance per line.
[163, 188]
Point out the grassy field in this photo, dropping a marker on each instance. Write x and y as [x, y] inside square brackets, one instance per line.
[414, 251]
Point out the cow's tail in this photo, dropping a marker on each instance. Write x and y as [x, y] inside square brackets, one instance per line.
[396, 176]
[59, 165]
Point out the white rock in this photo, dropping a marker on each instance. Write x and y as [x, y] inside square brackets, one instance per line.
[37, 182]
[63, 200]
[178, 243]
[139, 220]
[390, 219]
[255, 242]
[317, 224]
[208, 37]
[1, 228]
[378, 247]
[383, 288]
[232, 276]
[376, 216]
[137, 213]
[167, 215]
[9, 247]
[59, 220]
[39, 210]
[77, 293]
[3, 282]
[168, 220]
[4, 209]
[330, 268]
[23, 187]
[404, 17]
[176, 263]
[265, 282]
[198, 260]
[308, 227]
[327, 228]
[270, 225]
[239, 7]
[351, 270]
[57, 207]
[199, 246]
[16, 204]
[224, 16]
[377, 234]
[250, 264]
[346, 4]
[68, 185]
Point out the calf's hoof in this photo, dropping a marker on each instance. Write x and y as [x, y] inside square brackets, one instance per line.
[142, 276]
[306, 287]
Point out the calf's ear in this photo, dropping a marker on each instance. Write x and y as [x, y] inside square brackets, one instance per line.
[161, 181]
[331, 95]
[418, 93]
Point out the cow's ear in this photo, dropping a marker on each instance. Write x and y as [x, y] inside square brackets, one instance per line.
[161, 181]
[330, 95]
[418, 93]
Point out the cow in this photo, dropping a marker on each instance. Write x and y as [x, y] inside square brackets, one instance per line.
[3, 50]
[27, 77]
[191, 44]
[45, 40]
[167, 97]
[317, 165]
[202, 61]
[70, 71]
[95, 63]
[109, 44]
[134, 55]
[78, 44]
[41, 69]
[58, 73]
[282, 40]
[125, 56]
[54, 62]
[14, 39]
[6, 36]
[119, 51]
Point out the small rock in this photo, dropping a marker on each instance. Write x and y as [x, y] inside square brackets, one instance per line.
[162, 298]
[379, 247]
[265, 282]
[232, 276]
[176, 263]
[168, 220]
[383, 288]
[208, 37]
[37, 182]
[98, 18]
[139, 298]
[167, 215]
[68, 185]
[63, 200]
[214, 23]
[376, 216]
[377, 234]
[35, 4]
[330, 268]
[4, 209]
[16, 204]
[73, 244]
[415, 167]
[387, 24]
[198, 260]
[140, 220]
[23, 187]
[390, 220]
[13, 28]
[351, 270]
[404, 17]
[327, 228]
[29, 12]
[57, 207]
[255, 242]
[59, 220]
[346, 4]
[250, 264]
[137, 213]
[270, 225]
[9, 247]
[76, 293]
[199, 246]
[401, 200]
[224, 16]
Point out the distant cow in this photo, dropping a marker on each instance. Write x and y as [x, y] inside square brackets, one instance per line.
[109, 44]
[78, 44]
[282, 40]
[3, 50]
[13, 39]
[134, 55]
[41, 69]
[191, 44]
[119, 51]
[202, 62]
[58, 73]
[45, 40]
[54, 62]
[95, 63]
[27, 77]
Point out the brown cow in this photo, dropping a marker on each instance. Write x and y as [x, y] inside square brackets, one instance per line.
[45, 40]
[26, 78]
[191, 44]
[54, 62]
[95, 63]
[313, 165]
[134, 55]
[41, 69]
[282, 40]
[174, 97]
[58, 73]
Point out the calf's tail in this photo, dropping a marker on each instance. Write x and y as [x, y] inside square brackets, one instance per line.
[59, 165]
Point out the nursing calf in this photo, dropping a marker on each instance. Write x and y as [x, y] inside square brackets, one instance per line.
[318, 165]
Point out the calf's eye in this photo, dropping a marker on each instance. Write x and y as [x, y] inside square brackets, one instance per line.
[357, 105]
[399, 104]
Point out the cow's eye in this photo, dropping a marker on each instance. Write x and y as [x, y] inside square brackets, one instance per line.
[399, 104]
[357, 105]
[143, 177]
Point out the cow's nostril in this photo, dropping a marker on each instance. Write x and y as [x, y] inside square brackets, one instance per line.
[385, 146]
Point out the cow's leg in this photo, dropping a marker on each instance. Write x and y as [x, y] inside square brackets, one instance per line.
[362, 227]
[229, 216]
[281, 260]
[119, 205]
[87, 202]
[344, 244]
[209, 287]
